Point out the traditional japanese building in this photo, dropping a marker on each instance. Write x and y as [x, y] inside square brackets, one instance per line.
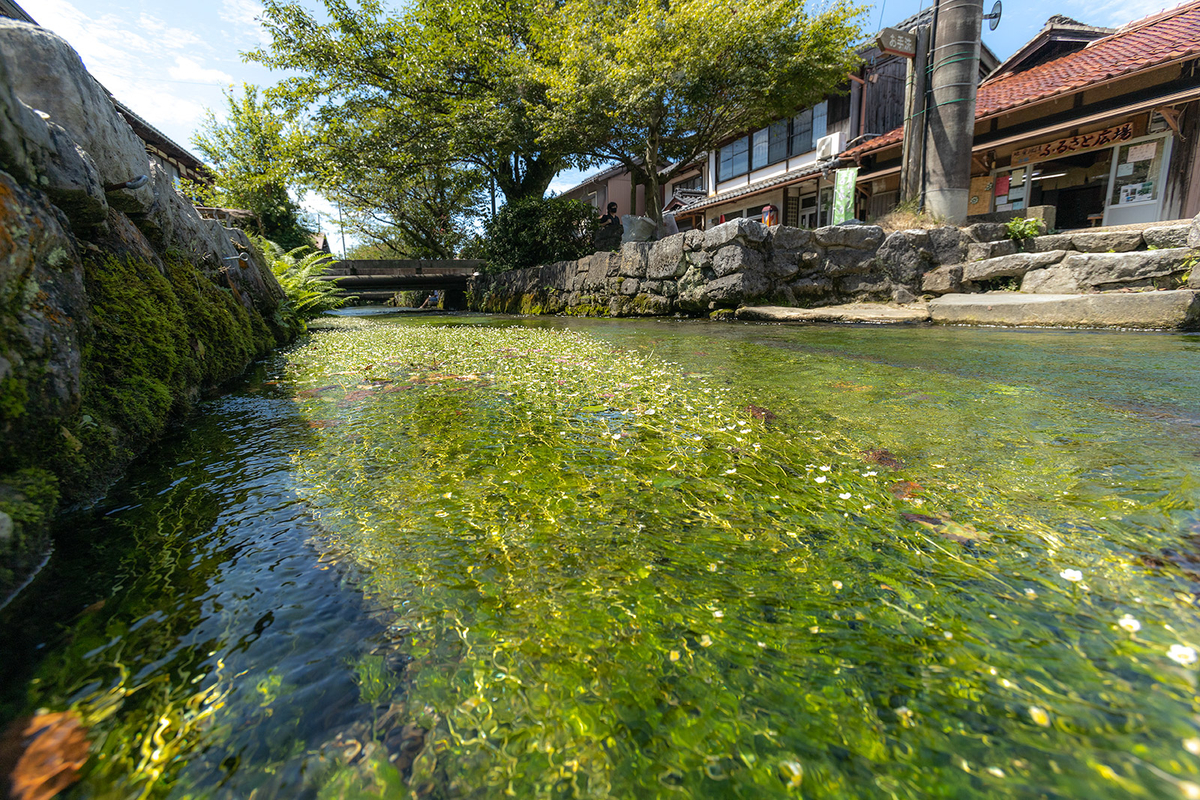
[1102, 124]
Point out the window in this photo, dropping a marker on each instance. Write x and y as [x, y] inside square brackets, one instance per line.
[735, 158]
[694, 183]
[777, 150]
[761, 139]
[818, 130]
[802, 139]
[839, 109]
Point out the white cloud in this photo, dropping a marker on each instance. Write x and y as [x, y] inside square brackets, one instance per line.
[186, 69]
[243, 15]
[1114, 13]
[161, 71]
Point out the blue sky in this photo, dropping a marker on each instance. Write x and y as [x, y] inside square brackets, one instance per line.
[170, 61]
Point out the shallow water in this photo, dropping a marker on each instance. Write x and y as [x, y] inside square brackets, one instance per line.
[469, 556]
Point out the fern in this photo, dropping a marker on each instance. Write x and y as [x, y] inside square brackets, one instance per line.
[299, 272]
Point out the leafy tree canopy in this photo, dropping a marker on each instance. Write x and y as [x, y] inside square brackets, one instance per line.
[248, 154]
[443, 83]
[666, 82]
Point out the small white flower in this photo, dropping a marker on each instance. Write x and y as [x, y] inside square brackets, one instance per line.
[837, 585]
[718, 614]
[821, 479]
[1181, 654]
[870, 474]
[868, 507]
[1072, 575]
[999, 773]
[1192, 746]
[844, 495]
[1039, 716]
[1129, 623]
[826, 469]
[1030, 593]
[1190, 790]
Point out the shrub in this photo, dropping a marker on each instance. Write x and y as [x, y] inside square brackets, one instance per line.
[536, 231]
[1019, 228]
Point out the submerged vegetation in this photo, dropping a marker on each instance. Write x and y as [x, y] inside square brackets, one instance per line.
[650, 563]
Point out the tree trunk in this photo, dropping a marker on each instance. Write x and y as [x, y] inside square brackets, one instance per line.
[533, 183]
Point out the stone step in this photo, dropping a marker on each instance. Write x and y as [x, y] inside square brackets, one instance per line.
[874, 313]
[1169, 310]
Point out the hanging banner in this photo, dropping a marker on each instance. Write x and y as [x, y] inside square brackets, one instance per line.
[843, 194]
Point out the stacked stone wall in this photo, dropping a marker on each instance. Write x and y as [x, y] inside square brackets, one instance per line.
[118, 303]
[739, 263]
[744, 263]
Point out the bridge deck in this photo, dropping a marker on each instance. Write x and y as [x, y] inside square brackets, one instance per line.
[380, 279]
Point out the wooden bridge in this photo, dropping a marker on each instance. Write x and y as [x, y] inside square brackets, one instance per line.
[378, 281]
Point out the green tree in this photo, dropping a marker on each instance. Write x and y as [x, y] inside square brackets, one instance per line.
[249, 156]
[416, 211]
[444, 84]
[536, 231]
[668, 81]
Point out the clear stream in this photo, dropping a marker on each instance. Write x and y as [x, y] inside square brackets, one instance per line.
[460, 557]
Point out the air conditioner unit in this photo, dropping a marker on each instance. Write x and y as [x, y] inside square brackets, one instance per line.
[829, 146]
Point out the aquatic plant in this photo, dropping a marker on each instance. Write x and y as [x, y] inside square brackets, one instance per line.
[618, 579]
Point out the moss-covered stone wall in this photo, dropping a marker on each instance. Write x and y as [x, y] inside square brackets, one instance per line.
[118, 307]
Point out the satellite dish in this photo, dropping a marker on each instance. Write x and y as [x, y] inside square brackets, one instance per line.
[994, 17]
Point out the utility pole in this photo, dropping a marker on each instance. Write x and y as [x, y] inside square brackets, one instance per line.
[953, 79]
[341, 228]
[913, 148]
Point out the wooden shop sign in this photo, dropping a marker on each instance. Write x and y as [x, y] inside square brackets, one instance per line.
[891, 41]
[1073, 144]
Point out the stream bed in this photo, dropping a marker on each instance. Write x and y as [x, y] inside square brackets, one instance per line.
[471, 556]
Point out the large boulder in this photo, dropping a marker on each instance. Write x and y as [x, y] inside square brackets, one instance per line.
[787, 239]
[1110, 270]
[1057, 279]
[1107, 241]
[943, 280]
[635, 259]
[744, 231]
[980, 251]
[986, 231]
[1049, 242]
[666, 258]
[907, 255]
[1193, 239]
[845, 261]
[1166, 236]
[733, 258]
[734, 290]
[858, 237]
[42, 306]
[73, 181]
[60, 87]
[949, 244]
[1014, 266]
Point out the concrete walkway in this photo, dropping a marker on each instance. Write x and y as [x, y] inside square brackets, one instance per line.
[876, 313]
[1170, 310]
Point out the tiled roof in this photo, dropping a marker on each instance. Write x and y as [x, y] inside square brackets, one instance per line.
[1160, 39]
[806, 171]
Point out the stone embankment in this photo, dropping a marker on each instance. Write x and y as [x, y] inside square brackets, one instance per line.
[118, 303]
[857, 273]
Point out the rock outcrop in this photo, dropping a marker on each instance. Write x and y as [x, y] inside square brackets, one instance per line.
[117, 306]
